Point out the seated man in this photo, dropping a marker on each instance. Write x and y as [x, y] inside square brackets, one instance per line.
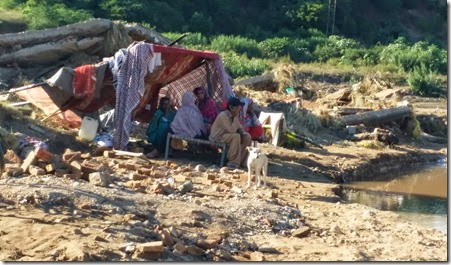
[227, 129]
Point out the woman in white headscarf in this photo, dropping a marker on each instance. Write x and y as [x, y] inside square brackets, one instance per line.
[188, 121]
[250, 122]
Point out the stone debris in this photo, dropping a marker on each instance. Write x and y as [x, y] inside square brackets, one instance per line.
[187, 186]
[200, 168]
[301, 232]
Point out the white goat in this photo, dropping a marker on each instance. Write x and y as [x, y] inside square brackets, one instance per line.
[257, 162]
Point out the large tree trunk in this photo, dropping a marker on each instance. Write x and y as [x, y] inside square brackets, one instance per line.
[378, 116]
[140, 33]
[88, 28]
[50, 52]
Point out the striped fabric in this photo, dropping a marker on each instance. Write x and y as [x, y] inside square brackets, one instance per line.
[130, 89]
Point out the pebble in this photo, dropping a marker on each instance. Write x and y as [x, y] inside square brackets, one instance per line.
[55, 253]
[336, 229]
[186, 187]
[266, 249]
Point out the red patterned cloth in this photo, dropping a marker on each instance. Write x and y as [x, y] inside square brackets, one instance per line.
[84, 81]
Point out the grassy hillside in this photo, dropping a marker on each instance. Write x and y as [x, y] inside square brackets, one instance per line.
[398, 37]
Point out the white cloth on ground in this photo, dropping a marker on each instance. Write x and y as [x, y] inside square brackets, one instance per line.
[275, 119]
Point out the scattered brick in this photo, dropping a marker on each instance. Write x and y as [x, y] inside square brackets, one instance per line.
[36, 171]
[180, 247]
[89, 167]
[180, 178]
[134, 184]
[86, 156]
[208, 243]
[44, 155]
[210, 176]
[29, 160]
[207, 182]
[151, 247]
[11, 157]
[70, 156]
[166, 237]
[136, 176]
[194, 250]
[159, 174]
[50, 168]
[273, 194]
[144, 171]
[109, 154]
[227, 183]
[76, 169]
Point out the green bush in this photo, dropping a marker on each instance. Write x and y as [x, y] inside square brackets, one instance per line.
[194, 40]
[408, 57]
[240, 65]
[275, 47]
[241, 45]
[43, 15]
[333, 47]
[423, 83]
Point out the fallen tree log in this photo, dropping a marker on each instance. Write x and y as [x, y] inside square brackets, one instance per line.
[261, 82]
[140, 33]
[51, 52]
[88, 28]
[433, 139]
[378, 116]
[343, 111]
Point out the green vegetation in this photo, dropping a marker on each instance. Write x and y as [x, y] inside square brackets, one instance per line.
[422, 82]
[253, 35]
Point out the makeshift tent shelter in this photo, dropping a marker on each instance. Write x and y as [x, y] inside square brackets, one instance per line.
[135, 78]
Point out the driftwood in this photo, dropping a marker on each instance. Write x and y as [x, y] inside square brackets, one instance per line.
[88, 28]
[378, 116]
[382, 135]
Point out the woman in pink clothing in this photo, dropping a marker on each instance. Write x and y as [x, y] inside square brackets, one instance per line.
[206, 105]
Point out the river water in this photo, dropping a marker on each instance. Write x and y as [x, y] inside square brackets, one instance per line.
[419, 197]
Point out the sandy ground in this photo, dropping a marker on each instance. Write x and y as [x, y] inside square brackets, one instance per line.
[297, 217]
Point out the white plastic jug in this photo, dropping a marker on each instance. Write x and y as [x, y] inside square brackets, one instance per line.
[88, 129]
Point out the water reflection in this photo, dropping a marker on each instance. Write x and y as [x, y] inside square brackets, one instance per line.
[419, 197]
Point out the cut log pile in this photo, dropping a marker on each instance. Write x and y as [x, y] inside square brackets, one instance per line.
[94, 37]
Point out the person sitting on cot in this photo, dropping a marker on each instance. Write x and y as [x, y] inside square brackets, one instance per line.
[250, 122]
[227, 129]
[188, 121]
[159, 127]
[206, 105]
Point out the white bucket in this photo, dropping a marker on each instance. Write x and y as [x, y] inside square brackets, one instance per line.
[88, 129]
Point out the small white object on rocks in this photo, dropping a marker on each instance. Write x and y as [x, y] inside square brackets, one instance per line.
[200, 168]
